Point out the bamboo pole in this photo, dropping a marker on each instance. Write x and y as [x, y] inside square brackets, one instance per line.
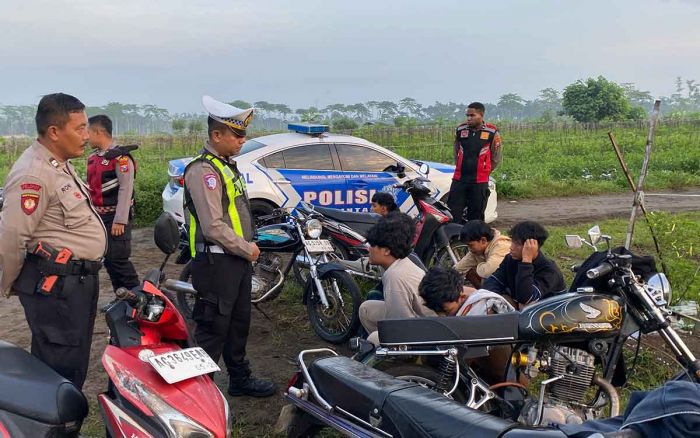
[630, 182]
[639, 193]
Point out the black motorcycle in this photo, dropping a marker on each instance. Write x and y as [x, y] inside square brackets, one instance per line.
[331, 296]
[574, 340]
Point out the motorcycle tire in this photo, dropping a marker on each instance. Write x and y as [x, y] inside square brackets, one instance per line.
[320, 318]
[186, 301]
[442, 257]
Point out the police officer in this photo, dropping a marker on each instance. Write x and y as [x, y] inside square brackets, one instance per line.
[477, 149]
[110, 172]
[221, 229]
[47, 207]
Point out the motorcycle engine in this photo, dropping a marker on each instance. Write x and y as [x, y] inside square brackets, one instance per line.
[562, 397]
[265, 274]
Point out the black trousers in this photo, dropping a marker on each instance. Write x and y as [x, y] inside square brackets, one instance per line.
[472, 196]
[62, 323]
[120, 269]
[222, 310]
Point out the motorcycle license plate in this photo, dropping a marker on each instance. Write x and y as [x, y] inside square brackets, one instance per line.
[179, 365]
[319, 245]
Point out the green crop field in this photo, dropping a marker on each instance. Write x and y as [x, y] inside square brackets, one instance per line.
[539, 160]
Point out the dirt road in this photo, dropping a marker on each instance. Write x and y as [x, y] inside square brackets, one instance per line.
[275, 342]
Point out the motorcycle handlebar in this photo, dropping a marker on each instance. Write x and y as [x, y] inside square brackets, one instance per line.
[133, 298]
[600, 270]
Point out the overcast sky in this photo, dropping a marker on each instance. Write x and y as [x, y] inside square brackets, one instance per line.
[318, 52]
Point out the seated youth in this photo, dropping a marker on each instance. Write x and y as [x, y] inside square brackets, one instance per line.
[487, 249]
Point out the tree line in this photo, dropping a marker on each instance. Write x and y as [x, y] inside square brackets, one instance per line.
[591, 100]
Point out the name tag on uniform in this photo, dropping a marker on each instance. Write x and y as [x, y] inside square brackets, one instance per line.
[464, 133]
[484, 135]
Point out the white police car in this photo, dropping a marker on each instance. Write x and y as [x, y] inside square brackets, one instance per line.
[332, 170]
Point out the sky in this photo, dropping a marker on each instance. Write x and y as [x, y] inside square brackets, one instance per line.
[319, 52]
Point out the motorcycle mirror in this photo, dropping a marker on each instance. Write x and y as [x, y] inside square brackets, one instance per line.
[424, 169]
[573, 241]
[166, 233]
[594, 234]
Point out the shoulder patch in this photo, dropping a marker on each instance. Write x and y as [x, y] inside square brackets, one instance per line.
[490, 127]
[210, 181]
[29, 202]
[30, 186]
[123, 164]
[484, 135]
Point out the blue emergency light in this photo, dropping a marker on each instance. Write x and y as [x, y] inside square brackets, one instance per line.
[307, 128]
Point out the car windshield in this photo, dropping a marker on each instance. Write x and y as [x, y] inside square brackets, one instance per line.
[249, 146]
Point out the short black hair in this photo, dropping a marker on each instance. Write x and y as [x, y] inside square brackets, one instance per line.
[385, 199]
[478, 106]
[102, 121]
[215, 125]
[395, 233]
[440, 285]
[474, 230]
[528, 230]
[54, 110]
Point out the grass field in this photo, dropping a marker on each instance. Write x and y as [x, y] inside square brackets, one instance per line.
[539, 160]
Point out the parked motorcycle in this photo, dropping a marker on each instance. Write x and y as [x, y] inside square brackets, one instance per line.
[436, 240]
[158, 384]
[563, 338]
[331, 296]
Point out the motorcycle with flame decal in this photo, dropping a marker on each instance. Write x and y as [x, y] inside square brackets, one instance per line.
[572, 343]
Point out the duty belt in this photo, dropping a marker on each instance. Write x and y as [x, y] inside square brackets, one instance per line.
[74, 267]
[107, 209]
[213, 249]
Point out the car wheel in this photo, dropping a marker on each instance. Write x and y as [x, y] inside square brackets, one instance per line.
[259, 208]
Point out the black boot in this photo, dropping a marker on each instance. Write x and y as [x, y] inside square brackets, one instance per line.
[241, 382]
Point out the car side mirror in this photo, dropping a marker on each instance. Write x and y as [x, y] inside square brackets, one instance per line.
[573, 241]
[424, 169]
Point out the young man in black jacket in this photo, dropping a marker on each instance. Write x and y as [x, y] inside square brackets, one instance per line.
[526, 275]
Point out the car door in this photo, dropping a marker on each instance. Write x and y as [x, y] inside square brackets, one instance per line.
[367, 171]
[305, 173]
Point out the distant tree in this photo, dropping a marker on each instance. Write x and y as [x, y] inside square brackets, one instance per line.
[387, 110]
[636, 97]
[410, 107]
[511, 105]
[595, 100]
[178, 125]
[637, 113]
[311, 115]
[242, 104]
[343, 123]
[195, 126]
[359, 111]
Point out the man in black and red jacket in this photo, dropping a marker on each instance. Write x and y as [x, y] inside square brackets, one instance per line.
[477, 149]
[110, 172]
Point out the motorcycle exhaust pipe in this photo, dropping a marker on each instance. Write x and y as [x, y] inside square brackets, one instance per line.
[612, 395]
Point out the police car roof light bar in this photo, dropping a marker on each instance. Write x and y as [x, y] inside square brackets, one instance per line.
[307, 128]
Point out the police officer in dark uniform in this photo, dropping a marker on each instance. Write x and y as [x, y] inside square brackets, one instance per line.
[477, 149]
[221, 230]
[52, 240]
[110, 172]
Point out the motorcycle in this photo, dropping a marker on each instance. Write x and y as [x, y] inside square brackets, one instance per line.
[331, 296]
[158, 384]
[563, 338]
[436, 240]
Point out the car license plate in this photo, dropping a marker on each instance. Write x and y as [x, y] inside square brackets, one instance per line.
[176, 366]
[319, 245]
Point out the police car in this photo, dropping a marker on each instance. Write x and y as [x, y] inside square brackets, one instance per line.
[312, 165]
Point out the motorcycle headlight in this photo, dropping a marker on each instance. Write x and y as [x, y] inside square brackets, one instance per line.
[659, 289]
[314, 228]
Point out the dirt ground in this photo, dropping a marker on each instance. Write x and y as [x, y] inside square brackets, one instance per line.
[275, 342]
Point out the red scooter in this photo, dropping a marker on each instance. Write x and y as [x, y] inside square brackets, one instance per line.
[158, 381]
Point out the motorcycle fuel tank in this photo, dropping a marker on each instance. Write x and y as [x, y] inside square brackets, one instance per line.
[571, 315]
[276, 237]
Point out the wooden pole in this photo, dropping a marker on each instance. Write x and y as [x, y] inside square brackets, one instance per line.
[639, 193]
[630, 182]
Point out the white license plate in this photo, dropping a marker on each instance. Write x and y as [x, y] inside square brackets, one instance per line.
[320, 245]
[179, 365]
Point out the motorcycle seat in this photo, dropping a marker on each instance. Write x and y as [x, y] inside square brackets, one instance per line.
[487, 329]
[31, 389]
[360, 222]
[401, 408]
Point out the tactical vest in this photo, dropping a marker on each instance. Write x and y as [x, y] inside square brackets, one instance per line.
[102, 178]
[474, 154]
[234, 186]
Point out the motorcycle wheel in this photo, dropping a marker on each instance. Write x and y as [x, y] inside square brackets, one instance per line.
[186, 301]
[442, 258]
[341, 320]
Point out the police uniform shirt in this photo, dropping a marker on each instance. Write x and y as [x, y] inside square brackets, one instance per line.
[46, 201]
[204, 183]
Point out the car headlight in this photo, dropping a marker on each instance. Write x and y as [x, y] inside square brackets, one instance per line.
[314, 228]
